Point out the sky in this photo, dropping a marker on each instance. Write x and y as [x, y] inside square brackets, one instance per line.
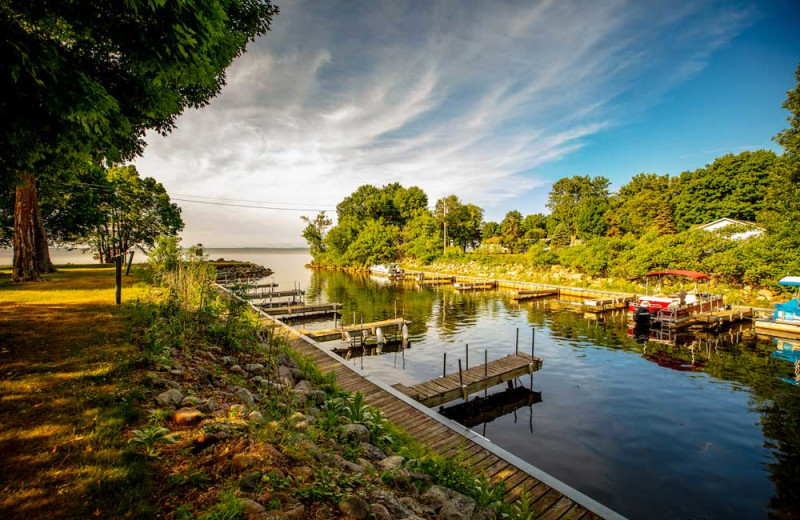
[493, 101]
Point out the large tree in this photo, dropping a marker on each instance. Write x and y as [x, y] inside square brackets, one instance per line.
[569, 194]
[135, 212]
[464, 221]
[85, 80]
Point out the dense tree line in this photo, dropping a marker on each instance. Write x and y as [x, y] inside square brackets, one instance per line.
[649, 223]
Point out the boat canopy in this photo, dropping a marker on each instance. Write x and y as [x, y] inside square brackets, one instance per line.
[680, 272]
[789, 280]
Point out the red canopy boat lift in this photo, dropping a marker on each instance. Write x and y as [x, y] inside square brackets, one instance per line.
[684, 308]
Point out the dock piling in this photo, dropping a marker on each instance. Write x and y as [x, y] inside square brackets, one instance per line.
[444, 365]
[461, 382]
[467, 353]
[516, 344]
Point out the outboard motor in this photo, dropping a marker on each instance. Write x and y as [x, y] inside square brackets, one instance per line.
[641, 315]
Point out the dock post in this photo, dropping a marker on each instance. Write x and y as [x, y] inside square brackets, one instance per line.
[516, 344]
[467, 352]
[485, 371]
[461, 382]
[444, 365]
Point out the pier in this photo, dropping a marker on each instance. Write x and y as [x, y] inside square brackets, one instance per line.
[550, 498]
[461, 384]
[302, 311]
[475, 286]
[532, 294]
[269, 295]
[371, 327]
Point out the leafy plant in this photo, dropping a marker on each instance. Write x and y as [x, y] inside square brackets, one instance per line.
[229, 508]
[521, 509]
[152, 435]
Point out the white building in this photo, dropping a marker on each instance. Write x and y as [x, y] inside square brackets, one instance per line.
[749, 229]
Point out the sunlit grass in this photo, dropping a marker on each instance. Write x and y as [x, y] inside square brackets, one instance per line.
[64, 349]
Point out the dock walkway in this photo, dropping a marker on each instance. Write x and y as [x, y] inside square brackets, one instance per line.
[338, 332]
[461, 384]
[551, 499]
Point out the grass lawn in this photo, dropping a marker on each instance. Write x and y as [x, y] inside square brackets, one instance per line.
[65, 355]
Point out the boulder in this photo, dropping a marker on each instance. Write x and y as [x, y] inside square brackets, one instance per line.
[191, 400]
[372, 451]
[171, 397]
[355, 434]
[355, 507]
[302, 472]
[254, 367]
[286, 361]
[240, 461]
[458, 508]
[210, 406]
[436, 497]
[303, 387]
[236, 369]
[244, 395]
[229, 361]
[389, 500]
[256, 417]
[252, 510]
[203, 441]
[380, 512]
[203, 376]
[187, 416]
[250, 483]
[391, 462]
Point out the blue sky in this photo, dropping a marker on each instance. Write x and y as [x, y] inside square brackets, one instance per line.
[493, 101]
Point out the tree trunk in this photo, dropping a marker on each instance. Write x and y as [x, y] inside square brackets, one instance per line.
[43, 263]
[25, 252]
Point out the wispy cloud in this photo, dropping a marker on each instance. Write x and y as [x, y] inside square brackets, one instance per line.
[465, 97]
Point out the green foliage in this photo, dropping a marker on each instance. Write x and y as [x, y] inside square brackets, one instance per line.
[522, 508]
[639, 202]
[560, 236]
[314, 232]
[228, 508]
[464, 221]
[422, 237]
[151, 436]
[490, 229]
[569, 194]
[457, 475]
[789, 138]
[330, 486]
[511, 231]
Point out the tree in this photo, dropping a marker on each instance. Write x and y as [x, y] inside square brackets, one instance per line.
[638, 203]
[789, 138]
[314, 232]
[136, 212]
[422, 237]
[664, 223]
[511, 231]
[569, 193]
[490, 229]
[560, 236]
[732, 186]
[591, 221]
[86, 80]
[464, 221]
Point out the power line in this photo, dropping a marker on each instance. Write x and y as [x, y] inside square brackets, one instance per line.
[212, 203]
[250, 200]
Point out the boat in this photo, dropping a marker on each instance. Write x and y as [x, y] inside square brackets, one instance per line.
[786, 317]
[387, 270]
[788, 351]
[673, 308]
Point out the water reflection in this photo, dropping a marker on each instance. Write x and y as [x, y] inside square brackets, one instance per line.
[655, 424]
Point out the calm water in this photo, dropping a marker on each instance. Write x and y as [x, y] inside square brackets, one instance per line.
[703, 428]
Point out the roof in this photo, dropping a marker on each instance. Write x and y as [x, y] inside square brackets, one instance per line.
[789, 280]
[728, 221]
[680, 272]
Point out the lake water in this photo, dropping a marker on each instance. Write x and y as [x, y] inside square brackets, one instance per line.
[695, 428]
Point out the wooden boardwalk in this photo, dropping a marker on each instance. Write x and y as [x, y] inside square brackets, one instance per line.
[301, 311]
[461, 384]
[475, 286]
[269, 295]
[551, 499]
[524, 294]
[335, 333]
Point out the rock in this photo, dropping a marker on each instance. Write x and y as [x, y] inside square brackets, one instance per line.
[436, 497]
[238, 409]
[244, 395]
[203, 376]
[177, 372]
[209, 406]
[191, 400]
[316, 397]
[355, 507]
[765, 293]
[458, 508]
[216, 350]
[254, 367]
[416, 507]
[390, 502]
[342, 463]
[240, 446]
[355, 434]
[229, 361]
[236, 369]
[372, 451]
[252, 510]
[171, 397]
[155, 381]
[296, 374]
[380, 512]
[250, 483]
[298, 512]
[391, 462]
[302, 472]
[285, 374]
[364, 463]
[256, 417]
[241, 461]
[271, 452]
[203, 441]
[187, 416]
[286, 361]
[303, 387]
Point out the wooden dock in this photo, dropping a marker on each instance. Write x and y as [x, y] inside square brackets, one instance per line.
[269, 295]
[461, 384]
[482, 410]
[302, 311]
[371, 327]
[532, 294]
[475, 286]
[550, 498]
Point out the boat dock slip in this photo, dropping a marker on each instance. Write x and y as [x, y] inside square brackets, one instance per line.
[261, 286]
[338, 332]
[459, 385]
[475, 286]
[550, 498]
[303, 311]
[268, 295]
[532, 294]
[704, 319]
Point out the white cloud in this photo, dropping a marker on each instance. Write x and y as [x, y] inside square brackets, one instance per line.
[464, 97]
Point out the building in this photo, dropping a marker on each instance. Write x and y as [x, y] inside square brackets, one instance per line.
[742, 231]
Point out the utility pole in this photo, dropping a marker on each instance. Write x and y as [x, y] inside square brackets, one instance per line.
[444, 248]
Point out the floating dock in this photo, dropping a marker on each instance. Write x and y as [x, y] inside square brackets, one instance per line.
[532, 294]
[486, 409]
[475, 286]
[303, 311]
[371, 327]
[269, 295]
[461, 384]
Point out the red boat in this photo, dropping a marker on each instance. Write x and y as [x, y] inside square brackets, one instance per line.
[673, 308]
